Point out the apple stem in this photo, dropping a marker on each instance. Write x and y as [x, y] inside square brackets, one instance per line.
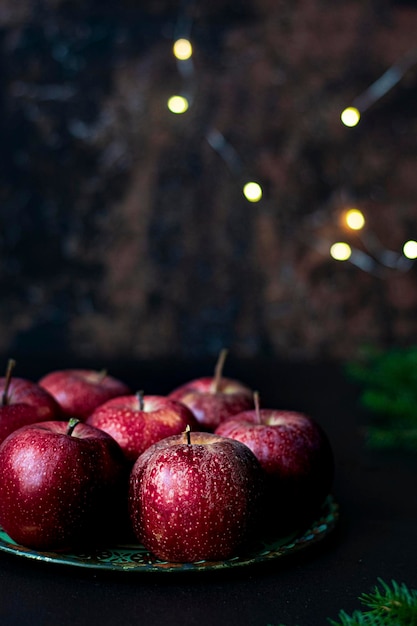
[139, 395]
[257, 409]
[218, 371]
[10, 367]
[188, 434]
[72, 424]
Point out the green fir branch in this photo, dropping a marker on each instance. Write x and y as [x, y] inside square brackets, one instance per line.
[386, 605]
[384, 438]
[356, 619]
[389, 392]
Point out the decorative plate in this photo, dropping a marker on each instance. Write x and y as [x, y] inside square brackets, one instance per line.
[135, 558]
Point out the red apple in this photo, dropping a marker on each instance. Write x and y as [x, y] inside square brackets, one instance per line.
[214, 399]
[23, 402]
[195, 497]
[62, 484]
[80, 391]
[138, 421]
[295, 454]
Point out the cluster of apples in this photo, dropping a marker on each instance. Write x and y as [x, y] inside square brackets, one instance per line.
[191, 475]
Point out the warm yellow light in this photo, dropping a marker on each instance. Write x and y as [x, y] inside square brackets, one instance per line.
[178, 104]
[350, 116]
[182, 49]
[252, 192]
[340, 251]
[354, 219]
[410, 249]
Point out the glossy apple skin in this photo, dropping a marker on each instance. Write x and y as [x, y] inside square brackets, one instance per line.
[59, 491]
[134, 428]
[195, 502]
[211, 407]
[80, 391]
[26, 403]
[296, 455]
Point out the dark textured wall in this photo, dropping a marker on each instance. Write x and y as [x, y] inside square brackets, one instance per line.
[125, 234]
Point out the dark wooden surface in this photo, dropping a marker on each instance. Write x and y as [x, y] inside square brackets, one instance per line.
[375, 536]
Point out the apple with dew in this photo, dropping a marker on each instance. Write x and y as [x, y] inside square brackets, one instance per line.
[212, 399]
[80, 391]
[62, 485]
[195, 496]
[138, 421]
[23, 402]
[295, 454]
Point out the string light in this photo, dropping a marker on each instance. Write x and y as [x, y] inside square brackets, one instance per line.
[340, 251]
[218, 142]
[375, 257]
[410, 249]
[178, 104]
[350, 116]
[378, 256]
[386, 82]
[354, 219]
[252, 192]
[182, 49]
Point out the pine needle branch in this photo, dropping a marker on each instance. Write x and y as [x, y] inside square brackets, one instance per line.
[389, 392]
[387, 605]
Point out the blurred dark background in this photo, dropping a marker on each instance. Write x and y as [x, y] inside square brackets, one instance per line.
[124, 232]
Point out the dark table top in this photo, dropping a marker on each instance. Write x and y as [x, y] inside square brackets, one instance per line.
[375, 537]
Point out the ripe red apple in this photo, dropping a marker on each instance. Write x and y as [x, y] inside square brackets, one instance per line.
[212, 399]
[138, 421]
[295, 454]
[62, 484]
[23, 402]
[195, 497]
[80, 391]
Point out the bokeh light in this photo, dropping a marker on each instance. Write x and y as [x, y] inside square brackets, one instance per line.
[354, 219]
[252, 192]
[182, 49]
[410, 249]
[178, 104]
[340, 251]
[350, 116]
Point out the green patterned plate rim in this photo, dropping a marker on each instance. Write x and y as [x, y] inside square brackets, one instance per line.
[135, 557]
